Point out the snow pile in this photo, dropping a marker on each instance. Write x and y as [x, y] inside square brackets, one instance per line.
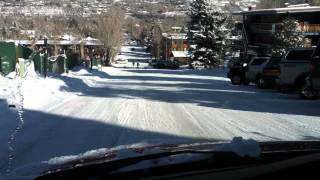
[11, 75]
[241, 147]
[31, 72]
[39, 91]
[80, 71]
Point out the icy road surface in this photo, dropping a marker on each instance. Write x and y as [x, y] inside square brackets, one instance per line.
[85, 110]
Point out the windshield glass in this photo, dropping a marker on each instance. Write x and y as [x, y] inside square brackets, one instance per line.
[298, 55]
[82, 77]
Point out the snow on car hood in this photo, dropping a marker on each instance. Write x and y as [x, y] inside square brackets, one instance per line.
[238, 145]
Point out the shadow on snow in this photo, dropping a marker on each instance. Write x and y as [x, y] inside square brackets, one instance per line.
[44, 136]
[203, 90]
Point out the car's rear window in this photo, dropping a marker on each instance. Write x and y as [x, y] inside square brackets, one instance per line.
[275, 60]
[258, 61]
[299, 55]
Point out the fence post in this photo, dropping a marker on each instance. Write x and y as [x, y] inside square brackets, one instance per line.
[65, 60]
[44, 66]
[41, 63]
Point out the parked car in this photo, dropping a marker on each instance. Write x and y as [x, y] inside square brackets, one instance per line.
[294, 69]
[237, 73]
[121, 61]
[133, 43]
[311, 87]
[165, 65]
[255, 68]
[270, 73]
[229, 61]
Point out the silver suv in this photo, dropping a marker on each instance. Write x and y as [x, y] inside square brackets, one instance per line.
[294, 68]
[255, 69]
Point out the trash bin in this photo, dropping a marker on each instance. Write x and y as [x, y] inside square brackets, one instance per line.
[5, 67]
[95, 62]
[8, 57]
[22, 67]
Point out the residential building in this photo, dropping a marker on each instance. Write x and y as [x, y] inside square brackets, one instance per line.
[259, 26]
[176, 47]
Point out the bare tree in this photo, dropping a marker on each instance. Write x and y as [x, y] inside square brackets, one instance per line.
[157, 42]
[109, 31]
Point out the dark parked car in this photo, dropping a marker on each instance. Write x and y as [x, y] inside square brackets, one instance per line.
[237, 73]
[270, 73]
[311, 87]
[165, 65]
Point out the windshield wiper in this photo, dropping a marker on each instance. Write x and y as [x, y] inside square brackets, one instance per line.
[271, 151]
[92, 169]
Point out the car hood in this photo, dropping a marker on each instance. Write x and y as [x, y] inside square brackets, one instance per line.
[239, 146]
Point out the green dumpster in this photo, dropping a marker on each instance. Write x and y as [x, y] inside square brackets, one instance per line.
[96, 62]
[72, 60]
[23, 52]
[7, 57]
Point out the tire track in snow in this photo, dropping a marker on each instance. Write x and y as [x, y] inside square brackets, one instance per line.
[12, 139]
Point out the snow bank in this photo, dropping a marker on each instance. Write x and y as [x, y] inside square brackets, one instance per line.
[31, 72]
[11, 75]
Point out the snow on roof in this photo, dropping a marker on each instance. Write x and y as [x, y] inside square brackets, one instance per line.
[175, 35]
[21, 42]
[92, 42]
[290, 10]
[67, 37]
[59, 42]
[181, 54]
[90, 39]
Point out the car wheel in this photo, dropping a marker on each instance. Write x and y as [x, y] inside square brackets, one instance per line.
[284, 89]
[260, 83]
[246, 82]
[236, 79]
[307, 92]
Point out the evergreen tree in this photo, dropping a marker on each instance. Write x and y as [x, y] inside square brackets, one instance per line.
[209, 37]
[290, 36]
[197, 12]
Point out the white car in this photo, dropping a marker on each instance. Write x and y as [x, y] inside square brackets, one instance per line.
[133, 43]
[121, 61]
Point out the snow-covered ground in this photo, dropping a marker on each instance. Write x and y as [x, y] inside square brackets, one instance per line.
[86, 110]
[133, 54]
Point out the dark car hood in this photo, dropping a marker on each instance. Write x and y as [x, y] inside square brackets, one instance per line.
[239, 146]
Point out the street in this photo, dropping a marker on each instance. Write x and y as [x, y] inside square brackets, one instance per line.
[86, 110]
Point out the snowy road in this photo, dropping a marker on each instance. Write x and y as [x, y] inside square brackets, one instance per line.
[85, 110]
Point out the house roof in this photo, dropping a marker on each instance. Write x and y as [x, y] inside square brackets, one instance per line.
[183, 36]
[181, 54]
[21, 42]
[290, 10]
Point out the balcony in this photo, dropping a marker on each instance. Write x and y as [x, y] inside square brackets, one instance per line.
[264, 28]
[268, 28]
[311, 28]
